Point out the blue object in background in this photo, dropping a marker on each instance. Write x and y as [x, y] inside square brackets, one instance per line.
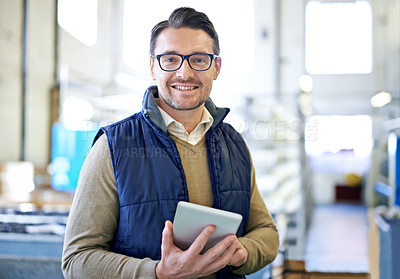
[394, 165]
[68, 152]
[397, 172]
[389, 255]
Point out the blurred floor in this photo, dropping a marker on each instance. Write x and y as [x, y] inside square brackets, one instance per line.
[337, 239]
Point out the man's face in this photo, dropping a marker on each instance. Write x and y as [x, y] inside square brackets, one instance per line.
[185, 88]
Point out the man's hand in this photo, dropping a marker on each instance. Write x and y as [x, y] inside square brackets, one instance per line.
[240, 256]
[176, 263]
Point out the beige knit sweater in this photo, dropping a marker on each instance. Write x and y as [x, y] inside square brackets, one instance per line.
[94, 216]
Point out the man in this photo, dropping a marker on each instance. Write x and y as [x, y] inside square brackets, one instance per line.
[177, 148]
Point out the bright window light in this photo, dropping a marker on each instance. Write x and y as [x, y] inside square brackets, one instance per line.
[140, 17]
[338, 37]
[337, 133]
[79, 18]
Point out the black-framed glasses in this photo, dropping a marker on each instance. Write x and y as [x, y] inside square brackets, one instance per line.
[197, 61]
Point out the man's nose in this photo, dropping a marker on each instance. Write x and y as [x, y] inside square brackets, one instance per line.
[185, 70]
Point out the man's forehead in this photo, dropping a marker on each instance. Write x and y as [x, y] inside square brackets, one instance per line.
[185, 38]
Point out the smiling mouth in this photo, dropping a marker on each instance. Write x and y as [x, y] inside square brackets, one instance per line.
[184, 88]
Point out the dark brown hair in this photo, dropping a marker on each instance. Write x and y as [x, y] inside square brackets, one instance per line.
[185, 17]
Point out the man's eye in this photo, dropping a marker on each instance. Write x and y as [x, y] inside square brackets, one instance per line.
[198, 60]
[169, 60]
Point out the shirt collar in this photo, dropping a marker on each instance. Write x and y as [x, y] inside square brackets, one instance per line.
[175, 128]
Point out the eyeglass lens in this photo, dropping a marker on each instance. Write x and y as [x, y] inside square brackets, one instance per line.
[171, 62]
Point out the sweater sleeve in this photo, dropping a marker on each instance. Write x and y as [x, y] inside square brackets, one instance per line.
[92, 223]
[261, 239]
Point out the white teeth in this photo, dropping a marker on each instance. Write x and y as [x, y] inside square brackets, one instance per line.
[184, 87]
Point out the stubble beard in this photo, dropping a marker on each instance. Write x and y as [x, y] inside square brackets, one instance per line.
[169, 99]
[170, 102]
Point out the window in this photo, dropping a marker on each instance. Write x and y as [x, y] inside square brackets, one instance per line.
[338, 37]
[338, 133]
[79, 18]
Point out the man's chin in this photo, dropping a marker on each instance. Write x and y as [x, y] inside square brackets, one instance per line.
[181, 104]
[185, 108]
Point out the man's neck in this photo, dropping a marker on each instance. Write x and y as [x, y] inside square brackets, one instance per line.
[188, 118]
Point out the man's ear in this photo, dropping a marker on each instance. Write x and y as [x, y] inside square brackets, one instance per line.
[153, 76]
[217, 62]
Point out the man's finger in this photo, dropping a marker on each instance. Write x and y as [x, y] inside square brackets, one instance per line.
[238, 258]
[221, 247]
[199, 243]
[221, 261]
[167, 239]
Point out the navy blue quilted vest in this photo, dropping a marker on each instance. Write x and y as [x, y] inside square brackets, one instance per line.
[151, 180]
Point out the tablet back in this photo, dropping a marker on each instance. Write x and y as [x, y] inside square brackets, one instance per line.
[190, 219]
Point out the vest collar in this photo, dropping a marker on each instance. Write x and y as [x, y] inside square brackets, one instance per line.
[151, 110]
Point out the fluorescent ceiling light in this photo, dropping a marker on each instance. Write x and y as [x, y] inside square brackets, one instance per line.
[381, 99]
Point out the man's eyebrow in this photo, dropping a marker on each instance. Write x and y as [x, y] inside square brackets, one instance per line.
[170, 52]
[176, 52]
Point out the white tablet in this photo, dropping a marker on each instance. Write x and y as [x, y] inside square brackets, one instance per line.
[190, 219]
